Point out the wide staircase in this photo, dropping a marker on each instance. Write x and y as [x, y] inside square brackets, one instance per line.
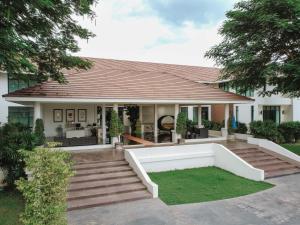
[273, 164]
[99, 183]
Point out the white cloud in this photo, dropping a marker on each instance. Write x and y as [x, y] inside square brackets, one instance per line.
[126, 30]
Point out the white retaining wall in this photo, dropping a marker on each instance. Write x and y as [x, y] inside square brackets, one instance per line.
[271, 146]
[157, 159]
[141, 173]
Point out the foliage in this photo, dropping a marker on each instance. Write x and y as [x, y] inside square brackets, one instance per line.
[11, 206]
[266, 129]
[133, 115]
[38, 37]
[261, 46]
[202, 185]
[190, 124]
[116, 125]
[290, 131]
[39, 132]
[241, 128]
[14, 137]
[45, 192]
[295, 148]
[181, 124]
[212, 125]
[138, 128]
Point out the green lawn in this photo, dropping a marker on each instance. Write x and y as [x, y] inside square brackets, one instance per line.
[11, 205]
[202, 185]
[293, 148]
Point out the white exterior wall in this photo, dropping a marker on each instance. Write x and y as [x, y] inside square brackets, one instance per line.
[296, 110]
[4, 104]
[50, 126]
[290, 108]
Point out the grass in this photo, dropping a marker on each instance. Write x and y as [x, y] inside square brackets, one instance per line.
[11, 205]
[202, 185]
[292, 147]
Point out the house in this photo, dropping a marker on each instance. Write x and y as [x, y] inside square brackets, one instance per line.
[74, 109]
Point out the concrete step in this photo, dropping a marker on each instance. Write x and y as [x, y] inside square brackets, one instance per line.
[246, 150]
[281, 172]
[97, 161]
[108, 199]
[251, 159]
[103, 170]
[265, 162]
[103, 183]
[278, 166]
[252, 154]
[104, 176]
[99, 165]
[96, 192]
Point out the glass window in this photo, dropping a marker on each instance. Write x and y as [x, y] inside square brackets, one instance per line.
[224, 86]
[22, 115]
[185, 110]
[16, 84]
[204, 113]
[237, 113]
[272, 113]
[195, 114]
[252, 113]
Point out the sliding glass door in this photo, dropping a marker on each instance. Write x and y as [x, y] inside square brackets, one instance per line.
[272, 113]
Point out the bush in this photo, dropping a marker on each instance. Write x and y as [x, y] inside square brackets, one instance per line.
[181, 124]
[14, 137]
[290, 131]
[211, 125]
[39, 132]
[45, 192]
[266, 129]
[116, 125]
[241, 128]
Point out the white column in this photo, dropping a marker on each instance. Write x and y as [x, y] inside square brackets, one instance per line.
[176, 112]
[226, 116]
[115, 107]
[103, 124]
[155, 124]
[199, 116]
[37, 112]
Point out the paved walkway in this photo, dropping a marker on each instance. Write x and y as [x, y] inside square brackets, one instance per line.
[278, 205]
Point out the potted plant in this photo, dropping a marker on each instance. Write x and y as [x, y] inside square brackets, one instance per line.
[181, 127]
[116, 129]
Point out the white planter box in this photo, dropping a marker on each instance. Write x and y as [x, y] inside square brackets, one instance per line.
[242, 136]
[214, 133]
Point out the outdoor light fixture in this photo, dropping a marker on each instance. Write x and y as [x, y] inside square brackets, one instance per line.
[260, 112]
[283, 112]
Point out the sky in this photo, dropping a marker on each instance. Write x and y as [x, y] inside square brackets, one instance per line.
[165, 31]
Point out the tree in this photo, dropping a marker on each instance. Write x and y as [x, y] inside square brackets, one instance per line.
[181, 124]
[39, 132]
[37, 37]
[116, 125]
[261, 46]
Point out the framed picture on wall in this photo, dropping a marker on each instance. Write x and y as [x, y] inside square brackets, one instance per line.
[57, 115]
[82, 115]
[70, 115]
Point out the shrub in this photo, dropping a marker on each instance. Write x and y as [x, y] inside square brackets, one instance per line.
[181, 124]
[211, 125]
[14, 137]
[241, 128]
[266, 129]
[39, 132]
[116, 125]
[45, 192]
[290, 131]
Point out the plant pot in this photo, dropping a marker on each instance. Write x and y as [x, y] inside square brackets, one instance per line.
[119, 146]
[181, 141]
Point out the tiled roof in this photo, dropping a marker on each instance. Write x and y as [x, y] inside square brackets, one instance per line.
[119, 79]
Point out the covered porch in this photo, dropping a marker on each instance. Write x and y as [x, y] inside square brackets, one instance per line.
[88, 123]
